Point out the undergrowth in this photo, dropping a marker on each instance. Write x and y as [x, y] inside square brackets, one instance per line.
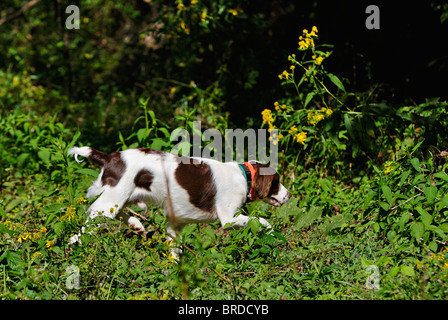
[326, 239]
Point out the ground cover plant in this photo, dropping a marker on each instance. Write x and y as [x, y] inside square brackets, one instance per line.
[368, 218]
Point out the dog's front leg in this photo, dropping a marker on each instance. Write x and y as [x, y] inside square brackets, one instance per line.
[108, 204]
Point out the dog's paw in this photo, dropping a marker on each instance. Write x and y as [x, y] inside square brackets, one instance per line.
[136, 225]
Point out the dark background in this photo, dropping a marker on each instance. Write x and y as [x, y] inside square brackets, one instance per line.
[405, 62]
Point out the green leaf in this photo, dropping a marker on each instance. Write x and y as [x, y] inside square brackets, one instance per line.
[433, 246]
[403, 220]
[437, 231]
[441, 175]
[44, 155]
[384, 205]
[425, 216]
[376, 227]
[430, 193]
[417, 230]
[444, 227]
[59, 228]
[143, 134]
[416, 164]
[309, 97]
[14, 203]
[336, 81]
[75, 138]
[407, 271]
[209, 232]
[388, 194]
[87, 171]
[21, 159]
[417, 146]
[348, 125]
[13, 259]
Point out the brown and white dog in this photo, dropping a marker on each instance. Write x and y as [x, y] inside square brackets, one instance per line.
[202, 190]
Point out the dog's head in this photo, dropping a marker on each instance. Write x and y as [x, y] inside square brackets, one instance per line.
[266, 185]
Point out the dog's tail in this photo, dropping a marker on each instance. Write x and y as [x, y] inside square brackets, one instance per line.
[98, 157]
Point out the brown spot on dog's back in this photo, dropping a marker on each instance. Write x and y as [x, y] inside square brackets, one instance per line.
[144, 179]
[197, 180]
[114, 169]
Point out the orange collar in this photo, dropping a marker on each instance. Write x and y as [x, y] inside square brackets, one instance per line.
[252, 176]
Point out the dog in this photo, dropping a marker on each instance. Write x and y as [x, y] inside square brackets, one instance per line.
[200, 190]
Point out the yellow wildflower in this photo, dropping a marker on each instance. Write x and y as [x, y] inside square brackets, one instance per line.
[184, 27]
[293, 129]
[303, 45]
[36, 255]
[267, 116]
[275, 138]
[49, 244]
[313, 32]
[70, 214]
[235, 12]
[300, 137]
[180, 6]
[204, 16]
[318, 61]
[81, 200]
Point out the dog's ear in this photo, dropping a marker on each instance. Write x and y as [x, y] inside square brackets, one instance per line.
[263, 180]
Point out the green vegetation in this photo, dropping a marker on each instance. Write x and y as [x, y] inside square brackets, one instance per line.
[368, 175]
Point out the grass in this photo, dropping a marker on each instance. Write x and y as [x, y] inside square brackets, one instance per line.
[313, 254]
[332, 240]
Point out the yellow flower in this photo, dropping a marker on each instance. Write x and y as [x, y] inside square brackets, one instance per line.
[313, 32]
[318, 61]
[49, 244]
[275, 138]
[293, 129]
[267, 116]
[81, 200]
[70, 214]
[300, 137]
[184, 27]
[36, 255]
[204, 15]
[180, 6]
[303, 45]
[235, 12]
